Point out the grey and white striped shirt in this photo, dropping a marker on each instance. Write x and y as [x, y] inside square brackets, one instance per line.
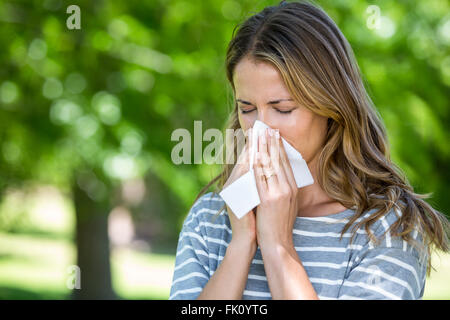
[392, 269]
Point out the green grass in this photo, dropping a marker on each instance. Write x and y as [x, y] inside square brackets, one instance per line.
[438, 283]
[140, 275]
[35, 267]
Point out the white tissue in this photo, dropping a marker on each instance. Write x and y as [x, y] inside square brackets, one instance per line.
[242, 195]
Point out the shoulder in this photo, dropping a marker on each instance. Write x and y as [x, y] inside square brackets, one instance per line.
[392, 256]
[207, 209]
[384, 222]
[382, 230]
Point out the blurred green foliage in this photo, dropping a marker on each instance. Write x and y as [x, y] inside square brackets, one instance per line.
[108, 96]
[97, 106]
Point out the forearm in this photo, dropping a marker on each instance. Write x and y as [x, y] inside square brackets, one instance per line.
[228, 281]
[286, 275]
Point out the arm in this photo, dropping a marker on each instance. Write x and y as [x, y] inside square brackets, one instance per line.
[228, 281]
[276, 216]
[230, 278]
[191, 278]
[286, 275]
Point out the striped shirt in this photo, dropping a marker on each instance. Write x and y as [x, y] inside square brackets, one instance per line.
[393, 269]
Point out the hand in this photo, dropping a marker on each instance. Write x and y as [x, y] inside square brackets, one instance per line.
[244, 229]
[276, 214]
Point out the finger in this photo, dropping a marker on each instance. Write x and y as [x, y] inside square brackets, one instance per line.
[274, 147]
[247, 147]
[251, 150]
[263, 150]
[260, 179]
[268, 168]
[274, 153]
[262, 141]
[250, 137]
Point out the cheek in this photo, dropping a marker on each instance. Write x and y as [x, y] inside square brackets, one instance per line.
[304, 132]
[294, 135]
[295, 128]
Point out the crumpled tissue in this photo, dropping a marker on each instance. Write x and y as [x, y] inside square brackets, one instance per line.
[242, 195]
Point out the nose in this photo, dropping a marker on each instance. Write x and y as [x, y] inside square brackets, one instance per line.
[264, 116]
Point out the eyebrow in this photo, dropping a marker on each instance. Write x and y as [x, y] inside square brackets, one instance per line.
[270, 102]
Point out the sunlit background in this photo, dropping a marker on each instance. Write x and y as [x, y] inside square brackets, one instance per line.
[86, 117]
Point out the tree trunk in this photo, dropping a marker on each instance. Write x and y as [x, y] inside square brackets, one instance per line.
[93, 252]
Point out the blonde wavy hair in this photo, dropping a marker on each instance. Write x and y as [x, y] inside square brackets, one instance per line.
[320, 71]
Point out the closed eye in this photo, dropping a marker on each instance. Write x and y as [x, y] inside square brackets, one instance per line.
[288, 111]
[280, 111]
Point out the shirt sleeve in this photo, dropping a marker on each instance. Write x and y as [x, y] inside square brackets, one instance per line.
[385, 273]
[191, 272]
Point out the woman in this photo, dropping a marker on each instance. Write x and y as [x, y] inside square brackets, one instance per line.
[359, 232]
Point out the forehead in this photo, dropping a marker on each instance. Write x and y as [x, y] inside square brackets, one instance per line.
[258, 79]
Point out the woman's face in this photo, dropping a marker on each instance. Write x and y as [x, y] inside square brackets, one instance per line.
[261, 95]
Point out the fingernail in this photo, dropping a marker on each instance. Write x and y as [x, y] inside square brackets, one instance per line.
[271, 132]
[263, 137]
[277, 134]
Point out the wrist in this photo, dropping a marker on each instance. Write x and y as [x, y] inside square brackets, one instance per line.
[272, 242]
[243, 246]
[277, 248]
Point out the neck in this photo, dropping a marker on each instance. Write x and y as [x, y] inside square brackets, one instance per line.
[313, 195]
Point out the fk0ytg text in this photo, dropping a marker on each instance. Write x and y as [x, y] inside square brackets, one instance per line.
[228, 309]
